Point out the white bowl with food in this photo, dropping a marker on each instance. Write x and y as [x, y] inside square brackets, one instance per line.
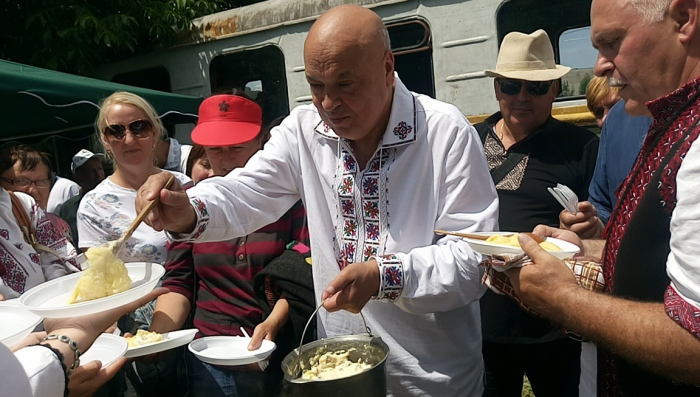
[51, 299]
[507, 243]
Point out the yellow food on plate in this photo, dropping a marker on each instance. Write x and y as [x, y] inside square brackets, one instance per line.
[105, 276]
[512, 241]
[143, 337]
[333, 365]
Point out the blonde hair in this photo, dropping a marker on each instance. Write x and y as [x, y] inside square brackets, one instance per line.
[598, 95]
[123, 97]
[650, 10]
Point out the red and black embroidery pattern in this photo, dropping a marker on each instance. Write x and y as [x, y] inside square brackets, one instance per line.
[682, 312]
[674, 115]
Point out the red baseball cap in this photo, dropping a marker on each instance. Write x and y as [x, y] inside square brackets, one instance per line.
[226, 120]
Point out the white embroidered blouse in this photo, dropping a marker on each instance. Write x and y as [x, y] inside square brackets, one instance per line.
[21, 267]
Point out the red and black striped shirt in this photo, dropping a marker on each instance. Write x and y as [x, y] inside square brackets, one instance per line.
[224, 273]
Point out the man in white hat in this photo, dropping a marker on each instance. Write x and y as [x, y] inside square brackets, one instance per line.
[87, 169]
[87, 172]
[528, 151]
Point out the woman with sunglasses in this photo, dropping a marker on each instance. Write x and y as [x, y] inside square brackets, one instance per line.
[129, 129]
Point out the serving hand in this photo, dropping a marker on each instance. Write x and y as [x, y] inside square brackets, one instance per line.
[353, 287]
[174, 212]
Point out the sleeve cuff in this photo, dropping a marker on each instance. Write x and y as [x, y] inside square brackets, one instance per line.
[391, 277]
[681, 311]
[202, 212]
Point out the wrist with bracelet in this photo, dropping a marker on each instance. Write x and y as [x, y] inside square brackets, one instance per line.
[73, 346]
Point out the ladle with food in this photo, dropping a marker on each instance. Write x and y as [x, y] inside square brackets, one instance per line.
[332, 357]
[106, 274]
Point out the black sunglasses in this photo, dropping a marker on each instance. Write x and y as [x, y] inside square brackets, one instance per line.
[513, 87]
[139, 129]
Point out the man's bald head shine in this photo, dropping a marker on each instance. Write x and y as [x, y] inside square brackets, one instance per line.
[350, 69]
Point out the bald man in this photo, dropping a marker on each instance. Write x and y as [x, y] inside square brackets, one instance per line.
[379, 168]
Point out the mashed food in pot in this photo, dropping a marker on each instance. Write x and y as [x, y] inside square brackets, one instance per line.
[333, 365]
[143, 337]
[105, 276]
[512, 241]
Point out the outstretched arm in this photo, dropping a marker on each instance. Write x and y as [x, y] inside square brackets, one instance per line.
[640, 332]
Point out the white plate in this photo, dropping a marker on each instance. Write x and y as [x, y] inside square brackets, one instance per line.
[170, 340]
[50, 299]
[568, 250]
[106, 349]
[17, 322]
[230, 350]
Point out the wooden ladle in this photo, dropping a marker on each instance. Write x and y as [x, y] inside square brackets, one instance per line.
[535, 237]
[117, 245]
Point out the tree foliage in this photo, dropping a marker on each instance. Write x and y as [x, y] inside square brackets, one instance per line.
[77, 35]
[584, 84]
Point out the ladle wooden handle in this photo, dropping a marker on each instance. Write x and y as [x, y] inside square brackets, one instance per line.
[144, 212]
[535, 237]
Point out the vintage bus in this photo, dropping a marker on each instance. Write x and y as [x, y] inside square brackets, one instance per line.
[441, 46]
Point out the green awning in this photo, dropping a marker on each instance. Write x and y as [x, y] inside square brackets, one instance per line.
[38, 102]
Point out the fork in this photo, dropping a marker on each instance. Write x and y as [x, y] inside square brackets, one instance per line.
[262, 364]
[571, 197]
[566, 197]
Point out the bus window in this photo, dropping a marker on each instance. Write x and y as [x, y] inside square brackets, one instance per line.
[413, 51]
[253, 88]
[565, 22]
[153, 78]
[576, 51]
[259, 72]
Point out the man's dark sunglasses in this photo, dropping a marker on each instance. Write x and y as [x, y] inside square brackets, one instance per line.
[513, 87]
[139, 129]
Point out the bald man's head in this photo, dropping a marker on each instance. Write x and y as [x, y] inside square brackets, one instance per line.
[349, 25]
[350, 68]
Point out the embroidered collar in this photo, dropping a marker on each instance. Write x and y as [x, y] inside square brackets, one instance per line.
[663, 108]
[401, 128]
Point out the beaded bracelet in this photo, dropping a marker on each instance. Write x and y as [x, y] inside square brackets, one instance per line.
[73, 345]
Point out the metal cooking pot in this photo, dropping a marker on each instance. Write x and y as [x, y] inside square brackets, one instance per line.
[369, 383]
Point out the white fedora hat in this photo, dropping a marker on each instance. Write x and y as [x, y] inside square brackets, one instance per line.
[527, 57]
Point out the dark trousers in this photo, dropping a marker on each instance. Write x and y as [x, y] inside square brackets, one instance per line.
[553, 368]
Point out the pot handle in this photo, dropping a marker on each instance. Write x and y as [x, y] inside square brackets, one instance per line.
[367, 329]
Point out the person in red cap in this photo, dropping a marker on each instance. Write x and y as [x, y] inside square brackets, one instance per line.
[230, 130]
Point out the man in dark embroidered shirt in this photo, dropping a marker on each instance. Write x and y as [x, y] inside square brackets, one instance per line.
[650, 49]
[528, 151]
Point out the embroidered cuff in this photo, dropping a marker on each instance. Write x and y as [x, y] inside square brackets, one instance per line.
[681, 311]
[391, 277]
[202, 212]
